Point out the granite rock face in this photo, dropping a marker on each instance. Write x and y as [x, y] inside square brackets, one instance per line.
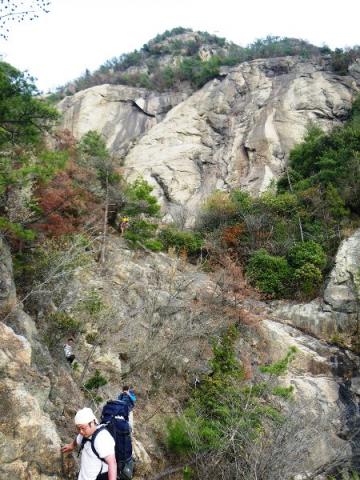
[7, 286]
[162, 313]
[343, 289]
[120, 113]
[318, 376]
[235, 132]
[29, 440]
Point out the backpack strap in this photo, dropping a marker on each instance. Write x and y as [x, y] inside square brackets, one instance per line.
[92, 441]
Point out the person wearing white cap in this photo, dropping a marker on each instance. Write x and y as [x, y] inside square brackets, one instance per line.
[92, 466]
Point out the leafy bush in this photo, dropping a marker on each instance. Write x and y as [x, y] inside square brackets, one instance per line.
[226, 416]
[232, 235]
[330, 158]
[270, 274]
[219, 209]
[58, 326]
[93, 303]
[307, 252]
[154, 245]
[242, 201]
[284, 204]
[182, 241]
[48, 269]
[140, 200]
[139, 231]
[178, 438]
[96, 381]
[308, 279]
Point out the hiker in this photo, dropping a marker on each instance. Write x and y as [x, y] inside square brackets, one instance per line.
[128, 396]
[100, 466]
[115, 417]
[68, 350]
[124, 225]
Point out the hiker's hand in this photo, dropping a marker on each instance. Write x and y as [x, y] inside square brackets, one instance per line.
[69, 447]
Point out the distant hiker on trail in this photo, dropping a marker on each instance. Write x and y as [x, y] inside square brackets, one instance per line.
[93, 466]
[124, 225]
[128, 396]
[68, 350]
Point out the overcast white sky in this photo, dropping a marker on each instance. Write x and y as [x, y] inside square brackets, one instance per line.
[80, 34]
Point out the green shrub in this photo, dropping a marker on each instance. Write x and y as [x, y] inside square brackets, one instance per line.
[92, 303]
[219, 209]
[279, 204]
[284, 392]
[178, 439]
[270, 274]
[225, 413]
[182, 241]
[308, 279]
[280, 367]
[306, 252]
[346, 476]
[154, 245]
[59, 325]
[139, 231]
[242, 201]
[96, 381]
[140, 200]
[92, 337]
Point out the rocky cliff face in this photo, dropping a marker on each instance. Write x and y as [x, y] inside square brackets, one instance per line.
[29, 440]
[156, 334]
[122, 114]
[164, 311]
[235, 132]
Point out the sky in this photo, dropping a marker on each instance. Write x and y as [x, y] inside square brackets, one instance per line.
[82, 34]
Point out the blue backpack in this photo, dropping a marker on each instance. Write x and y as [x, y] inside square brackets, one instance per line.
[114, 418]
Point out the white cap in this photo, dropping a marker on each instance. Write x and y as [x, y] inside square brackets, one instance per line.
[85, 415]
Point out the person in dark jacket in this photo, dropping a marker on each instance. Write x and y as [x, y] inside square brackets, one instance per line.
[128, 396]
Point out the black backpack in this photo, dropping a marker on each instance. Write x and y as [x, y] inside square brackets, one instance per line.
[114, 418]
[114, 408]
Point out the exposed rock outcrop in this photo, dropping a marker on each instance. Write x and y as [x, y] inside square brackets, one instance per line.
[317, 374]
[160, 341]
[235, 132]
[29, 440]
[120, 113]
[7, 286]
[156, 334]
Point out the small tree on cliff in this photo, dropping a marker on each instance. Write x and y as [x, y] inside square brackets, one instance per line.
[94, 153]
[227, 427]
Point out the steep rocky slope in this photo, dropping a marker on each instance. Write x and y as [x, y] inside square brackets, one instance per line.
[163, 312]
